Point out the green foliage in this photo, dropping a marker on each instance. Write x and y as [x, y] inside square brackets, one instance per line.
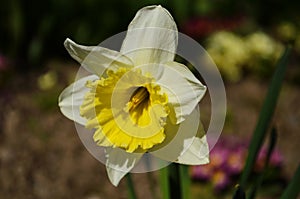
[185, 181]
[164, 183]
[34, 31]
[259, 181]
[131, 191]
[265, 116]
[292, 191]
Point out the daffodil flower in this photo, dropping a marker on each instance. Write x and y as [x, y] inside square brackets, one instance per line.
[138, 100]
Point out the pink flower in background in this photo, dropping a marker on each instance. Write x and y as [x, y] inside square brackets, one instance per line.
[227, 160]
[203, 26]
[276, 159]
[203, 172]
[236, 160]
[218, 156]
[220, 180]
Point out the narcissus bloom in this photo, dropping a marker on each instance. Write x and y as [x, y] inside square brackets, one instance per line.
[138, 100]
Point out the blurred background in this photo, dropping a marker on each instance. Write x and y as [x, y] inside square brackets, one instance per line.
[41, 155]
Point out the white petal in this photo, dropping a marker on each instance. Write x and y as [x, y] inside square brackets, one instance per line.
[197, 153]
[184, 90]
[188, 146]
[72, 97]
[96, 59]
[152, 36]
[119, 163]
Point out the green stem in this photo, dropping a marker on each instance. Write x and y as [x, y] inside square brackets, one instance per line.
[130, 187]
[265, 116]
[185, 181]
[273, 139]
[164, 182]
[292, 191]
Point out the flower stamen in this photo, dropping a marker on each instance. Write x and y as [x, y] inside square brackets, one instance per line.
[139, 96]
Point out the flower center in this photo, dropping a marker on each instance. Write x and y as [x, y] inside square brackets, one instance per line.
[139, 98]
[127, 109]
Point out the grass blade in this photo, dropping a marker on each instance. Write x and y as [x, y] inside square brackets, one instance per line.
[273, 139]
[292, 191]
[164, 182]
[185, 181]
[265, 116]
[130, 187]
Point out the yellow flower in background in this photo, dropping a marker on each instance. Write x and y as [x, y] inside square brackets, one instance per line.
[47, 80]
[232, 53]
[262, 45]
[286, 31]
[228, 52]
[264, 51]
[138, 98]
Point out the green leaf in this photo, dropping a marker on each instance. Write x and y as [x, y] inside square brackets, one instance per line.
[164, 182]
[185, 181]
[265, 116]
[272, 142]
[292, 191]
[130, 186]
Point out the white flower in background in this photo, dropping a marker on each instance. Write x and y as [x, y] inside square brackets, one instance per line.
[138, 98]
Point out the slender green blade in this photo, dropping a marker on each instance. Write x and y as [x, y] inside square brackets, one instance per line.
[130, 186]
[265, 116]
[272, 142]
[292, 191]
[164, 183]
[185, 181]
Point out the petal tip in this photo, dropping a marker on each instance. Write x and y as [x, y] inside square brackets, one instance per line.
[114, 175]
[67, 42]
